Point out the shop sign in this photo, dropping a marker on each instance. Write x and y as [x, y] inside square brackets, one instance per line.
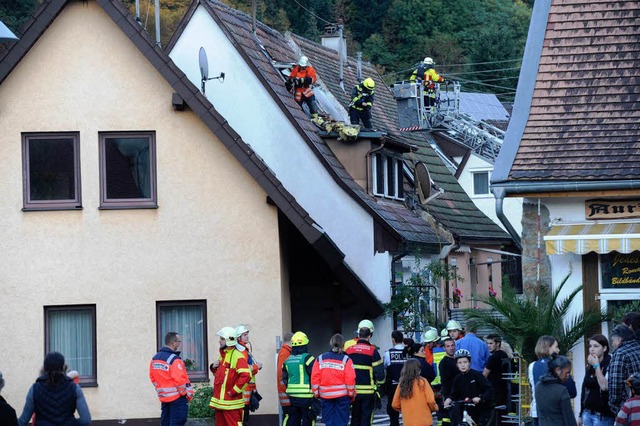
[612, 209]
[620, 270]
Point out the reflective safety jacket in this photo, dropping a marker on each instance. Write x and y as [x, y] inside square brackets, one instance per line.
[303, 81]
[231, 377]
[283, 354]
[253, 366]
[169, 376]
[429, 77]
[333, 376]
[438, 354]
[296, 374]
[369, 367]
[361, 98]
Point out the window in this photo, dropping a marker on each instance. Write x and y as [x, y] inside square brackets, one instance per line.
[51, 171]
[128, 170]
[387, 176]
[481, 183]
[189, 320]
[71, 330]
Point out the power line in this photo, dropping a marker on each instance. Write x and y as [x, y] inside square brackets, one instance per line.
[482, 63]
[486, 84]
[312, 14]
[485, 71]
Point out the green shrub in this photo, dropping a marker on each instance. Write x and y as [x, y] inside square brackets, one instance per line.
[199, 405]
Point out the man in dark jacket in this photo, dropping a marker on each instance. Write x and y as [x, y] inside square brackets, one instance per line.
[496, 367]
[7, 413]
[625, 361]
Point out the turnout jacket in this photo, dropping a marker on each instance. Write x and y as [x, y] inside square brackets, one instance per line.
[296, 374]
[231, 377]
[253, 367]
[369, 368]
[283, 354]
[169, 376]
[333, 376]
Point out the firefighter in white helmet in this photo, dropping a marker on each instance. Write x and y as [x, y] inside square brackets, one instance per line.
[301, 80]
[427, 74]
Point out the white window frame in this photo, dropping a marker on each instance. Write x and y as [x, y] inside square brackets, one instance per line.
[397, 172]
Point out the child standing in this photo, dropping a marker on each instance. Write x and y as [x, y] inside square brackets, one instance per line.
[629, 414]
[414, 397]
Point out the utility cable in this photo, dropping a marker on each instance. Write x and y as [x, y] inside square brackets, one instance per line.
[313, 14]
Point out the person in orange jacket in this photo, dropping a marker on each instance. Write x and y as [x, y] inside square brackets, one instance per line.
[283, 354]
[301, 80]
[169, 376]
[333, 380]
[231, 376]
[427, 74]
[244, 346]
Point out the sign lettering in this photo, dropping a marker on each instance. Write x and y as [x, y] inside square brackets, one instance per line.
[612, 209]
[621, 270]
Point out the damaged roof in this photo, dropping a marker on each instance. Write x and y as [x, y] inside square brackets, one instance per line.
[454, 209]
[577, 111]
[264, 49]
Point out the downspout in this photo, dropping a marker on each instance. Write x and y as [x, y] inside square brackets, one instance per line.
[341, 54]
[359, 66]
[157, 6]
[500, 193]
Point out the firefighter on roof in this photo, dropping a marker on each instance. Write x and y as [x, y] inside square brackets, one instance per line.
[427, 74]
[301, 80]
[361, 103]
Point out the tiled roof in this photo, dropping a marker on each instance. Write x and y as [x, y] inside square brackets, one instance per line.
[584, 118]
[454, 209]
[270, 45]
[199, 105]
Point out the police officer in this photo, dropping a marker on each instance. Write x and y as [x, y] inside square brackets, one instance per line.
[393, 361]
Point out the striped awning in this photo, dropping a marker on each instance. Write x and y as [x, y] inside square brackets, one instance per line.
[623, 237]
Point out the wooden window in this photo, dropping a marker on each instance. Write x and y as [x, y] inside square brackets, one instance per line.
[128, 170]
[51, 171]
[189, 320]
[71, 330]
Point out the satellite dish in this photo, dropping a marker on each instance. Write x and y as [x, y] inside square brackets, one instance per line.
[423, 182]
[204, 64]
[204, 70]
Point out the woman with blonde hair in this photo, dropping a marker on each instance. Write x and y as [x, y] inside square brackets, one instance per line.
[414, 397]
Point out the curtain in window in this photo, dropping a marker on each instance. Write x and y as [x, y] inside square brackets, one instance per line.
[71, 334]
[188, 322]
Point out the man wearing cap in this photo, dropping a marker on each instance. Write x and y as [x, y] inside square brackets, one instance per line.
[231, 375]
[393, 361]
[369, 375]
[169, 376]
[301, 80]
[244, 346]
[625, 361]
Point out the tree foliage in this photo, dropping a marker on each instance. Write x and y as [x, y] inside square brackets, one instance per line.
[524, 320]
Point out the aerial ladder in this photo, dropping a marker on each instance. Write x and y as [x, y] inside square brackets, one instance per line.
[484, 139]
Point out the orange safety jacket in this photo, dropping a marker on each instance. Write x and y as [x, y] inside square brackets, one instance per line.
[169, 376]
[231, 377]
[283, 354]
[253, 366]
[333, 376]
[301, 88]
[429, 78]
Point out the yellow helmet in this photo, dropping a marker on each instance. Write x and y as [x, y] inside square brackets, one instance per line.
[369, 83]
[299, 339]
[365, 323]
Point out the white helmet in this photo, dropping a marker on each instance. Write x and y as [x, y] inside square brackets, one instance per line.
[303, 61]
[429, 336]
[444, 335]
[428, 61]
[241, 329]
[228, 334]
[454, 325]
[365, 323]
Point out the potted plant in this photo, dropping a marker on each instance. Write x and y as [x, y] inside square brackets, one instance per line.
[199, 412]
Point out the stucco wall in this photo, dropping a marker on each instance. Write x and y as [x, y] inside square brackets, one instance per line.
[244, 102]
[212, 238]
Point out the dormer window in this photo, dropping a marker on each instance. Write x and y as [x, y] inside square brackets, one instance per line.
[387, 176]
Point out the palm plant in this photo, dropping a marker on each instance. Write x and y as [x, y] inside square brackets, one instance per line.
[521, 321]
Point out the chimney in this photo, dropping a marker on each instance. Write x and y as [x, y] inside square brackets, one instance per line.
[334, 38]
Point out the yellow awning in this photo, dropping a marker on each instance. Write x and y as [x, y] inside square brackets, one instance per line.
[623, 237]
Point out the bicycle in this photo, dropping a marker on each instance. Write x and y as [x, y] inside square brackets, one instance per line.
[464, 418]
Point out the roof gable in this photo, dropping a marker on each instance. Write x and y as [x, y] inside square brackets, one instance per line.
[579, 122]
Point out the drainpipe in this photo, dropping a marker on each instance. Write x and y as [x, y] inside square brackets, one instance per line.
[359, 66]
[500, 193]
[138, 11]
[157, 6]
[341, 54]
[254, 9]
